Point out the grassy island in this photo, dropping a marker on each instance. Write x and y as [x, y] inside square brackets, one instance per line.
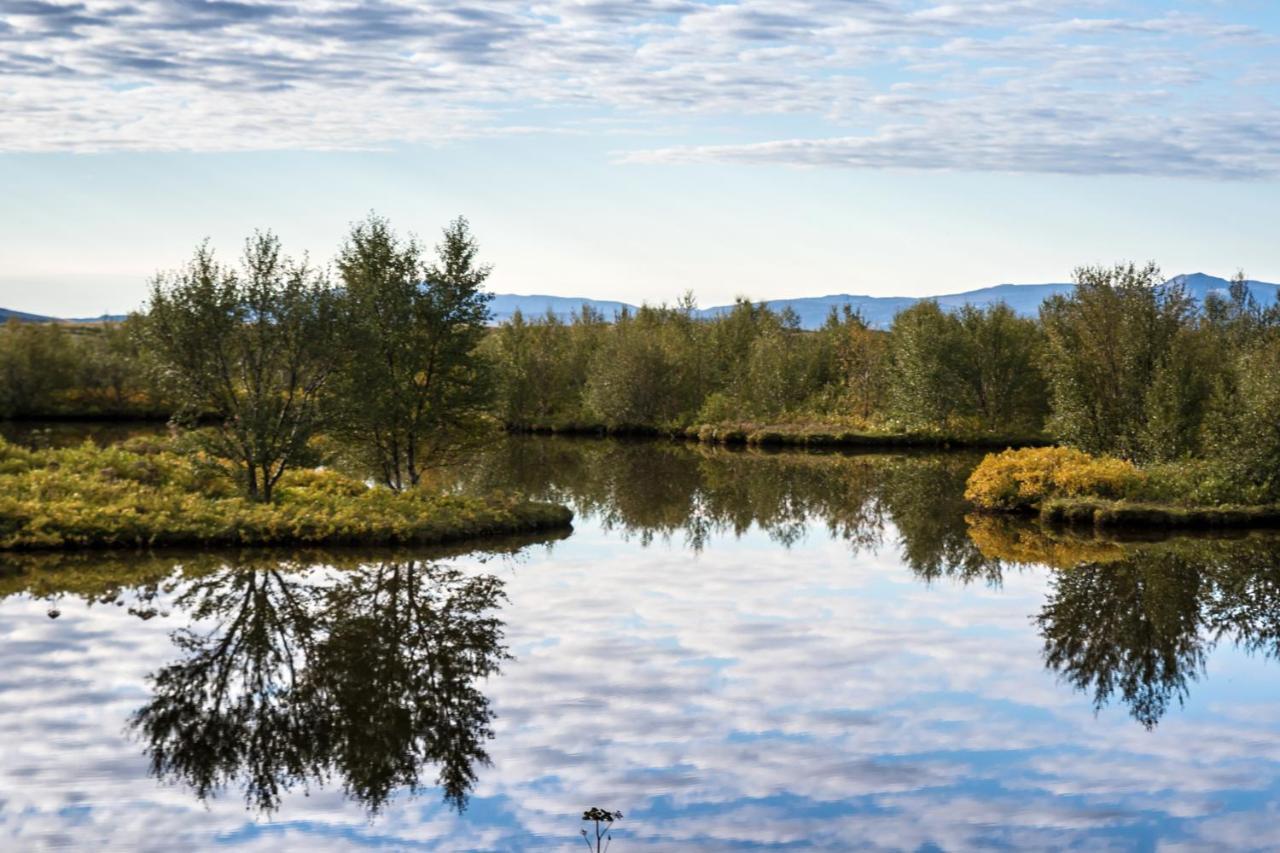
[1070, 487]
[147, 493]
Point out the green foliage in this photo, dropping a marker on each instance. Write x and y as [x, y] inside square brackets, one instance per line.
[253, 348]
[36, 362]
[542, 367]
[1252, 447]
[1118, 359]
[51, 370]
[151, 492]
[925, 375]
[977, 366]
[647, 371]
[414, 389]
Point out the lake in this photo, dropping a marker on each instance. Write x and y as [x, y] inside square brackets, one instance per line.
[737, 650]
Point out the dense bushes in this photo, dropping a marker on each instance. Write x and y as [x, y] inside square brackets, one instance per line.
[660, 368]
[1069, 486]
[51, 370]
[974, 366]
[1125, 366]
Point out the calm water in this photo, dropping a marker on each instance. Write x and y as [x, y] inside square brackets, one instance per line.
[738, 651]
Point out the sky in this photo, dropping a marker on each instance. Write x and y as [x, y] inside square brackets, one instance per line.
[636, 149]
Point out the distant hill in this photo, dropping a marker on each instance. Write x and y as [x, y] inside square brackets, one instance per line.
[504, 305]
[879, 311]
[22, 316]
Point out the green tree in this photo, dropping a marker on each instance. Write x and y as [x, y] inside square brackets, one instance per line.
[925, 385]
[997, 354]
[252, 349]
[37, 366]
[647, 372]
[414, 390]
[1107, 346]
[860, 356]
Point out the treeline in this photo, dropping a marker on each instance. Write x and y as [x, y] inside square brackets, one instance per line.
[53, 370]
[663, 368]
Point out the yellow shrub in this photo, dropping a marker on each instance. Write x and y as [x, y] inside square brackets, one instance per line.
[1018, 479]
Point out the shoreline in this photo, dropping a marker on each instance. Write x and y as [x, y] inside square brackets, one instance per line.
[1105, 514]
[750, 435]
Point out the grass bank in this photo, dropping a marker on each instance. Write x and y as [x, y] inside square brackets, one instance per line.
[797, 435]
[145, 493]
[1102, 514]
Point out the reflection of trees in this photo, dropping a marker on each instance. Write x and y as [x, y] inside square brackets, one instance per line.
[1244, 600]
[366, 680]
[659, 489]
[1129, 629]
[1140, 627]
[406, 650]
[925, 497]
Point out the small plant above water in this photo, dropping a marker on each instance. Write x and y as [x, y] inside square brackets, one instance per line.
[603, 824]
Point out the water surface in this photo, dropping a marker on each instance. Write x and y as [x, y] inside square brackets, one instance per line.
[736, 650]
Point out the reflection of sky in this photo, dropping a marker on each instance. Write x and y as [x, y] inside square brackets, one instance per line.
[746, 696]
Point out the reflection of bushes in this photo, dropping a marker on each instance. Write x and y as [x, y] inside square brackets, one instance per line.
[146, 492]
[1016, 541]
[110, 576]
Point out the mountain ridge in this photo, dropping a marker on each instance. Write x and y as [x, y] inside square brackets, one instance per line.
[878, 311]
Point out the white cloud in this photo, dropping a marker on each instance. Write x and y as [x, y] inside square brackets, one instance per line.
[1035, 86]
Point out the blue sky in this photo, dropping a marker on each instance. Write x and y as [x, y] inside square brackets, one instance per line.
[634, 150]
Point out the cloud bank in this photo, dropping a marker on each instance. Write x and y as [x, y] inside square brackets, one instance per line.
[1001, 85]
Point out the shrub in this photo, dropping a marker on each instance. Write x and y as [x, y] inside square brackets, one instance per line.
[1021, 479]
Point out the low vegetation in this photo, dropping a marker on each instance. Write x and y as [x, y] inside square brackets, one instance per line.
[1026, 478]
[148, 492]
[1069, 486]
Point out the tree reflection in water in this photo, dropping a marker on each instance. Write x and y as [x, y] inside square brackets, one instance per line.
[1124, 622]
[371, 678]
[1135, 622]
[367, 680]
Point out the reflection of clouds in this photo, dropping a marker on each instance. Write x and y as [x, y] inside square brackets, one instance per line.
[745, 695]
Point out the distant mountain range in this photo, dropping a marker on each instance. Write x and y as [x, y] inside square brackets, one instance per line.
[22, 316]
[879, 311]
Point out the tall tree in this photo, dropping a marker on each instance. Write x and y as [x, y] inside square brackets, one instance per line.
[1108, 345]
[252, 348]
[925, 341]
[413, 390]
[998, 355]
